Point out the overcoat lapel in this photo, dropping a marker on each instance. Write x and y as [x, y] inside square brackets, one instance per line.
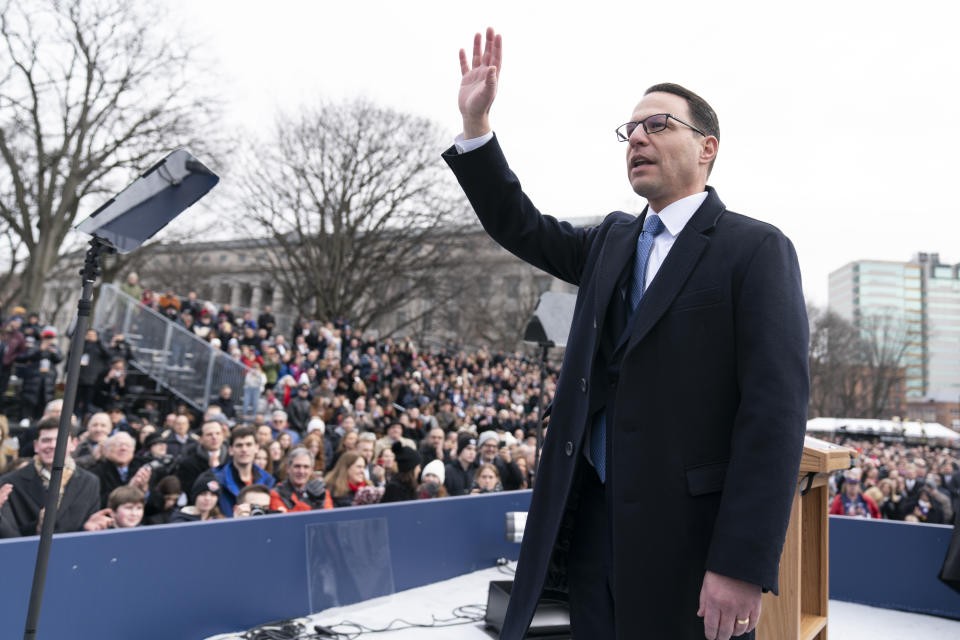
[674, 271]
[620, 246]
[34, 489]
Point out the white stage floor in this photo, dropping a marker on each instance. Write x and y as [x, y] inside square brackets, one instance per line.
[847, 621]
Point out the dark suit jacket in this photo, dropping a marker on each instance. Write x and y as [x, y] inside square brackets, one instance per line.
[709, 402]
[19, 516]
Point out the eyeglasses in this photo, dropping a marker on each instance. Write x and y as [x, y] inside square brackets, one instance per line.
[651, 124]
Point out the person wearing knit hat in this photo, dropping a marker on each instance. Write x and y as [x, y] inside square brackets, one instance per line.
[434, 469]
[460, 472]
[431, 481]
[403, 485]
[204, 499]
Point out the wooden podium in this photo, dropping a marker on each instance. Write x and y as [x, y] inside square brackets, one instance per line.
[800, 611]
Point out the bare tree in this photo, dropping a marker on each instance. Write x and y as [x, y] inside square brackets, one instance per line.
[91, 91]
[855, 371]
[357, 214]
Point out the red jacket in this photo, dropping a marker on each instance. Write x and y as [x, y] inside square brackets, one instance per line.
[838, 508]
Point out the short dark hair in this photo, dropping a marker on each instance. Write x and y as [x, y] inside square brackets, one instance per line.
[242, 432]
[252, 488]
[702, 114]
[47, 424]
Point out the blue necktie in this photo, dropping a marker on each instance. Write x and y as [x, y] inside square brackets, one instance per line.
[652, 227]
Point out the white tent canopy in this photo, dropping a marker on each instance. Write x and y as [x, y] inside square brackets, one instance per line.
[907, 429]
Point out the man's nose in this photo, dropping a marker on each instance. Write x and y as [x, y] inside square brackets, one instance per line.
[639, 136]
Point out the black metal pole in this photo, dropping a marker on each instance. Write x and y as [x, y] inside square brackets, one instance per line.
[544, 350]
[91, 269]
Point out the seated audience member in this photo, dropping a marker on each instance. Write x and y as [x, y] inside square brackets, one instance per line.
[23, 493]
[394, 434]
[486, 480]
[460, 472]
[281, 426]
[925, 510]
[491, 451]
[253, 500]
[403, 485]
[301, 491]
[90, 448]
[262, 459]
[240, 471]
[155, 457]
[126, 504]
[264, 435]
[204, 496]
[432, 447]
[210, 453]
[431, 481]
[348, 442]
[851, 501]
[346, 479]
[162, 502]
[314, 442]
[178, 436]
[118, 466]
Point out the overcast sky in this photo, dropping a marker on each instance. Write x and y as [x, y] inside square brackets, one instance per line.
[838, 119]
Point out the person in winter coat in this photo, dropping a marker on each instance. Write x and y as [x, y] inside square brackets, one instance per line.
[403, 485]
[301, 491]
[93, 364]
[204, 498]
[346, 479]
[39, 374]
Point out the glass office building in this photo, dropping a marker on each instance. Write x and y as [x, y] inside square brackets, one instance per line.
[915, 307]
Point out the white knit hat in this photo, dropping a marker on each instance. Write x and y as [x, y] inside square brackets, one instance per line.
[436, 468]
[316, 424]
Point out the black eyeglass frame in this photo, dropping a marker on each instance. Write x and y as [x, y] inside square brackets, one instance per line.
[643, 123]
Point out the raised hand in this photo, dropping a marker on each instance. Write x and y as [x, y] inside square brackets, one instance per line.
[478, 86]
[5, 492]
[141, 479]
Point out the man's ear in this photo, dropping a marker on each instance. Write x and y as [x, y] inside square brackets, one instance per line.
[708, 149]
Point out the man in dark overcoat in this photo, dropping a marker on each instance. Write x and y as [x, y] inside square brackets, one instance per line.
[671, 460]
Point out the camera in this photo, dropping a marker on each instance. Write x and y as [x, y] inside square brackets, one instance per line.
[257, 510]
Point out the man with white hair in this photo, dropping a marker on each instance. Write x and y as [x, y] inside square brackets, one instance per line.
[118, 466]
[281, 424]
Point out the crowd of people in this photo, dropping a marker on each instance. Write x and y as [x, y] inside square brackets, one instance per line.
[896, 481]
[328, 418]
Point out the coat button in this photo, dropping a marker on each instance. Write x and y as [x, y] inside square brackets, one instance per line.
[569, 448]
[583, 385]
[594, 322]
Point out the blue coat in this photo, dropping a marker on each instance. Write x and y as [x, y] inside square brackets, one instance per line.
[229, 487]
[710, 396]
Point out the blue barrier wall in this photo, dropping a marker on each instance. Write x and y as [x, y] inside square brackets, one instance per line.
[191, 581]
[891, 564]
[194, 580]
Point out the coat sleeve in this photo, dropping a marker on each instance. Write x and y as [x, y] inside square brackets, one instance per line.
[510, 218]
[772, 337]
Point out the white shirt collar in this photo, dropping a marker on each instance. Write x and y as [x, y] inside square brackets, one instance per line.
[677, 214]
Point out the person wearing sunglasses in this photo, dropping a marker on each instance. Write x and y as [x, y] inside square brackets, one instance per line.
[677, 426]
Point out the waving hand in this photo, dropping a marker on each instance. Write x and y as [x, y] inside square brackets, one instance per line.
[478, 87]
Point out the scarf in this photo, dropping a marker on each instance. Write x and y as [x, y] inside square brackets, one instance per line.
[45, 474]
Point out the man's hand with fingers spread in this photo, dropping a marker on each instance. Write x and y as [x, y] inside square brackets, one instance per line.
[478, 86]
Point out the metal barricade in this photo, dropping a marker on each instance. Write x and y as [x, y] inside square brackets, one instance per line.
[182, 363]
